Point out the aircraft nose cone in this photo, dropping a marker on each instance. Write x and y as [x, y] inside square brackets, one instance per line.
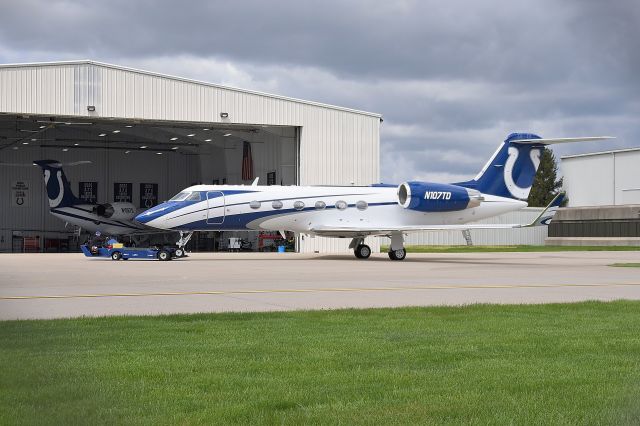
[151, 214]
[141, 218]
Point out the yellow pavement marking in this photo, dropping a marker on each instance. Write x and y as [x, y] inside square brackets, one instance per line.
[311, 290]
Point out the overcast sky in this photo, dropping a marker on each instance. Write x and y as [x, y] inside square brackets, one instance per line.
[451, 78]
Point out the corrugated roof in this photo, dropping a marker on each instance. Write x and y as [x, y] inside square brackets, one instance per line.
[188, 80]
[588, 154]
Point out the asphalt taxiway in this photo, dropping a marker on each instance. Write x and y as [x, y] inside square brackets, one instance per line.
[70, 285]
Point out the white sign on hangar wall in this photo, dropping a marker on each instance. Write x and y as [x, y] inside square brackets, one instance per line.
[20, 193]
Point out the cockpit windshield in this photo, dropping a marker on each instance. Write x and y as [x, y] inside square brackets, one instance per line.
[187, 196]
[195, 196]
[181, 196]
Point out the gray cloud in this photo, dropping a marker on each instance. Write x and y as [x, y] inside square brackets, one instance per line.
[452, 79]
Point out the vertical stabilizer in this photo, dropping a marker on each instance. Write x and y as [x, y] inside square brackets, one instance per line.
[58, 187]
[511, 170]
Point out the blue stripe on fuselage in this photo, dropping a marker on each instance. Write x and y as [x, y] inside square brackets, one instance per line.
[171, 206]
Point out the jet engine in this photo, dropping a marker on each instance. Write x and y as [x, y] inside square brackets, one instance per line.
[437, 197]
[116, 211]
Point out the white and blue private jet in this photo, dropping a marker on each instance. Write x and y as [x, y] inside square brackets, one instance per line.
[356, 212]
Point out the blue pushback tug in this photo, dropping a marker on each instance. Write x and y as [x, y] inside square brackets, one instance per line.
[119, 252]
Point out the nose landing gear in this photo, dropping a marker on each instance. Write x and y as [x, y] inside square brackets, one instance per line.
[182, 242]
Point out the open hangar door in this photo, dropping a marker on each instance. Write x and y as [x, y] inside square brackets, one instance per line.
[143, 162]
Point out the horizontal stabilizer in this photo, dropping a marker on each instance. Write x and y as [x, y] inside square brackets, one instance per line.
[560, 140]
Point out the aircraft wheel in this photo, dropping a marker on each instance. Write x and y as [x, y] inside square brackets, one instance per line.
[363, 251]
[164, 255]
[179, 252]
[398, 254]
[116, 255]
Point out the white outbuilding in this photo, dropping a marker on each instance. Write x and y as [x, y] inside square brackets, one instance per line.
[146, 132]
[608, 178]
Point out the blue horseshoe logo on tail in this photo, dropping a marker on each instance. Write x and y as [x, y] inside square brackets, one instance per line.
[54, 202]
[515, 190]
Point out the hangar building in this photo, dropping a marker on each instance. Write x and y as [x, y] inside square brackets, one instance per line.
[149, 135]
[608, 178]
[604, 200]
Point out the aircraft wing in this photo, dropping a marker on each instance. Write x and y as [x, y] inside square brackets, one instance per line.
[544, 218]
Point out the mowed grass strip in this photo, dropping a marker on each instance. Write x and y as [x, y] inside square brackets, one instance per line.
[481, 364]
[626, 265]
[499, 249]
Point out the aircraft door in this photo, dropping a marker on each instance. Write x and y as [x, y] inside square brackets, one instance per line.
[215, 207]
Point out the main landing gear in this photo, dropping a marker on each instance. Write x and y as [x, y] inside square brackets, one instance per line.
[360, 249]
[396, 251]
[363, 251]
[398, 254]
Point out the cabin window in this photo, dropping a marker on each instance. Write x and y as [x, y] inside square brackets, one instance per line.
[362, 205]
[341, 205]
[180, 197]
[195, 196]
[255, 204]
[277, 205]
[298, 205]
[320, 205]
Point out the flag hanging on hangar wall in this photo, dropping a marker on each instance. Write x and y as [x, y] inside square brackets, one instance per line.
[247, 162]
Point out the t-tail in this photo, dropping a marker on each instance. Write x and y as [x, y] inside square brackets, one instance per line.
[58, 188]
[511, 170]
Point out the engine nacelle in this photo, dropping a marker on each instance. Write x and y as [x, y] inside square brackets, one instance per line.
[437, 197]
[116, 211]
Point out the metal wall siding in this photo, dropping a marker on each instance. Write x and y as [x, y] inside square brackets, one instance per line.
[487, 237]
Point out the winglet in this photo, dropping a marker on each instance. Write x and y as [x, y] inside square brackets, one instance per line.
[547, 214]
[255, 181]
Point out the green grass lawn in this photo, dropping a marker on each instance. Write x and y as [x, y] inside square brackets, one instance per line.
[626, 265]
[482, 364]
[496, 249]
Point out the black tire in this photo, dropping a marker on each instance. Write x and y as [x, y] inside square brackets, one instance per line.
[179, 252]
[363, 251]
[116, 255]
[164, 255]
[398, 254]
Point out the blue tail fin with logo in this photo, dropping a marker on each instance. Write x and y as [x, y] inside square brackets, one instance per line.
[58, 188]
[511, 170]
